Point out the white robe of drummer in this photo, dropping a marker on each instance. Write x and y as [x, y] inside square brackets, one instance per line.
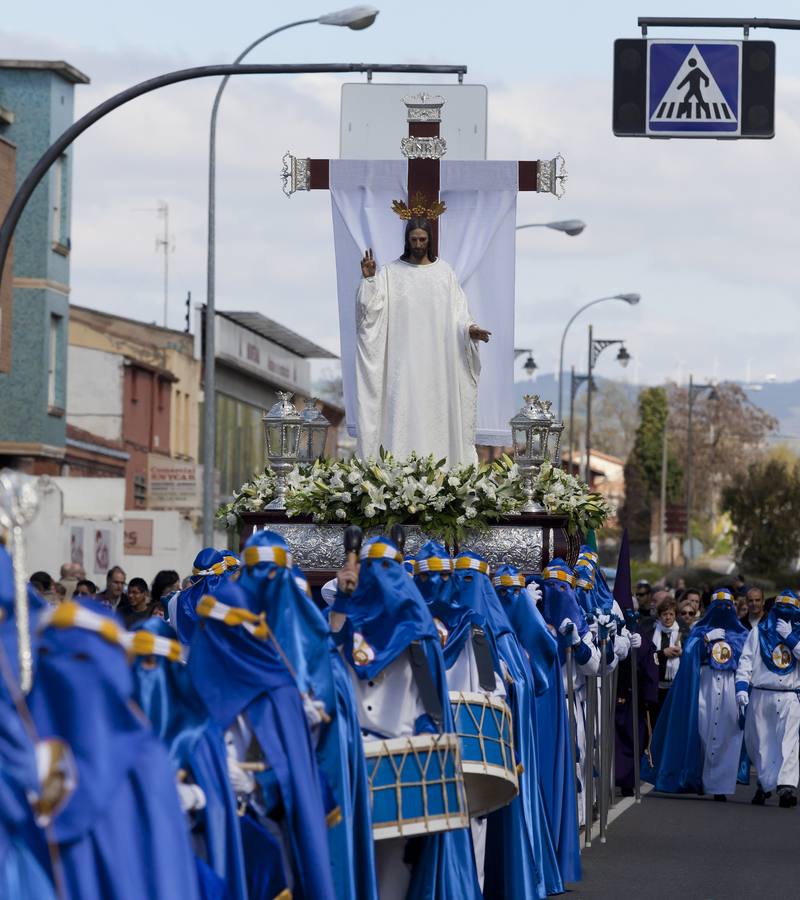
[417, 368]
[772, 722]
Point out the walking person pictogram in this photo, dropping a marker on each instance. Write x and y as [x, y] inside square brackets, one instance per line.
[693, 79]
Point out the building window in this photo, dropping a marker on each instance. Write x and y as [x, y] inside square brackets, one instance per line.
[60, 241]
[139, 491]
[55, 387]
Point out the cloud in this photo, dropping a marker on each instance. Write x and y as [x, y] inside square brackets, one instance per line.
[703, 229]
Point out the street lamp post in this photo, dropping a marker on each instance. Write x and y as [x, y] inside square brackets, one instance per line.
[356, 18]
[575, 382]
[596, 347]
[694, 391]
[630, 299]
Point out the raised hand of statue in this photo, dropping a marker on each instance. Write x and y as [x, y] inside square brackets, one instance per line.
[368, 264]
[475, 331]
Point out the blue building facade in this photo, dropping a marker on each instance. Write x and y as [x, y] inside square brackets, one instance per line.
[39, 96]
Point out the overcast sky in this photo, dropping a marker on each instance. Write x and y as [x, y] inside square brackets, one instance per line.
[704, 230]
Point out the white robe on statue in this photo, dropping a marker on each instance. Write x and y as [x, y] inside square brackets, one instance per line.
[416, 366]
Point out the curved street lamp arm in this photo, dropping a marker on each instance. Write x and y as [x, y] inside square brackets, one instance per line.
[61, 143]
[241, 56]
[564, 337]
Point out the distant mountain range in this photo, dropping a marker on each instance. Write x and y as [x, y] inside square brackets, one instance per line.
[780, 399]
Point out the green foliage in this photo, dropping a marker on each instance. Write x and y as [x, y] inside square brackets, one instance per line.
[648, 446]
[764, 507]
[643, 470]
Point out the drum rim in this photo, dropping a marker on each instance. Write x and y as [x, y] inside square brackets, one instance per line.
[419, 825]
[443, 739]
[481, 698]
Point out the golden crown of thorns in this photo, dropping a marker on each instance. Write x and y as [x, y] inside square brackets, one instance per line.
[420, 208]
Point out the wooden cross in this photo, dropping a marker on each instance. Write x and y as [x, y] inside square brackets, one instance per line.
[423, 148]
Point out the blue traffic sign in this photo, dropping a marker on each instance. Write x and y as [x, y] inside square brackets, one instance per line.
[694, 89]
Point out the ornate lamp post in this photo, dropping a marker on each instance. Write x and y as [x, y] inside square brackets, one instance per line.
[314, 432]
[536, 436]
[282, 426]
[596, 347]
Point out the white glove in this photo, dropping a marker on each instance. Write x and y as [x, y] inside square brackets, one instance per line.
[534, 592]
[742, 698]
[716, 634]
[783, 628]
[191, 796]
[241, 781]
[636, 640]
[314, 710]
[607, 622]
[568, 629]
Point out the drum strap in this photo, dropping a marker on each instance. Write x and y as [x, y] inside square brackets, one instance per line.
[425, 683]
[483, 659]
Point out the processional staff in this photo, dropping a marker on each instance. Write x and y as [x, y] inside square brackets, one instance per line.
[18, 504]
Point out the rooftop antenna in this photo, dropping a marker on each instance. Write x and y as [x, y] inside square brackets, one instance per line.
[165, 243]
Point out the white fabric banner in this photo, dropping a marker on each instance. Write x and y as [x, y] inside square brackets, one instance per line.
[477, 238]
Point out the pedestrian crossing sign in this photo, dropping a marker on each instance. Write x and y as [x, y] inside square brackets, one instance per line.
[694, 89]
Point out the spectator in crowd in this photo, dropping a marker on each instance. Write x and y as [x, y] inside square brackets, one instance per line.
[741, 606]
[755, 608]
[60, 592]
[686, 617]
[85, 588]
[137, 604]
[739, 586]
[43, 583]
[644, 597]
[166, 582]
[70, 575]
[695, 598]
[667, 643]
[115, 588]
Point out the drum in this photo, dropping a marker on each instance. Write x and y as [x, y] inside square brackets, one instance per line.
[484, 727]
[416, 785]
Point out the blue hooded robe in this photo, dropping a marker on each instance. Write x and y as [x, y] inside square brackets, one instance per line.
[21, 876]
[552, 718]
[196, 744]
[122, 833]
[434, 583]
[210, 568]
[675, 748]
[388, 611]
[520, 857]
[273, 587]
[239, 672]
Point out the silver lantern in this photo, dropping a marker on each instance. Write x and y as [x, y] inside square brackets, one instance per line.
[530, 432]
[314, 432]
[554, 438]
[282, 425]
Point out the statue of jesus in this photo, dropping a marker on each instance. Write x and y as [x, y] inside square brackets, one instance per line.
[417, 361]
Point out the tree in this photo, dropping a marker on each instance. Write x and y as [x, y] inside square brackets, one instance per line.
[614, 418]
[643, 470]
[729, 433]
[764, 507]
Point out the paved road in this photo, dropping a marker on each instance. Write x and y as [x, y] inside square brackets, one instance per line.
[695, 849]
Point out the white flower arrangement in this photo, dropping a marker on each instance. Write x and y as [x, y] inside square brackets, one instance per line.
[445, 503]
